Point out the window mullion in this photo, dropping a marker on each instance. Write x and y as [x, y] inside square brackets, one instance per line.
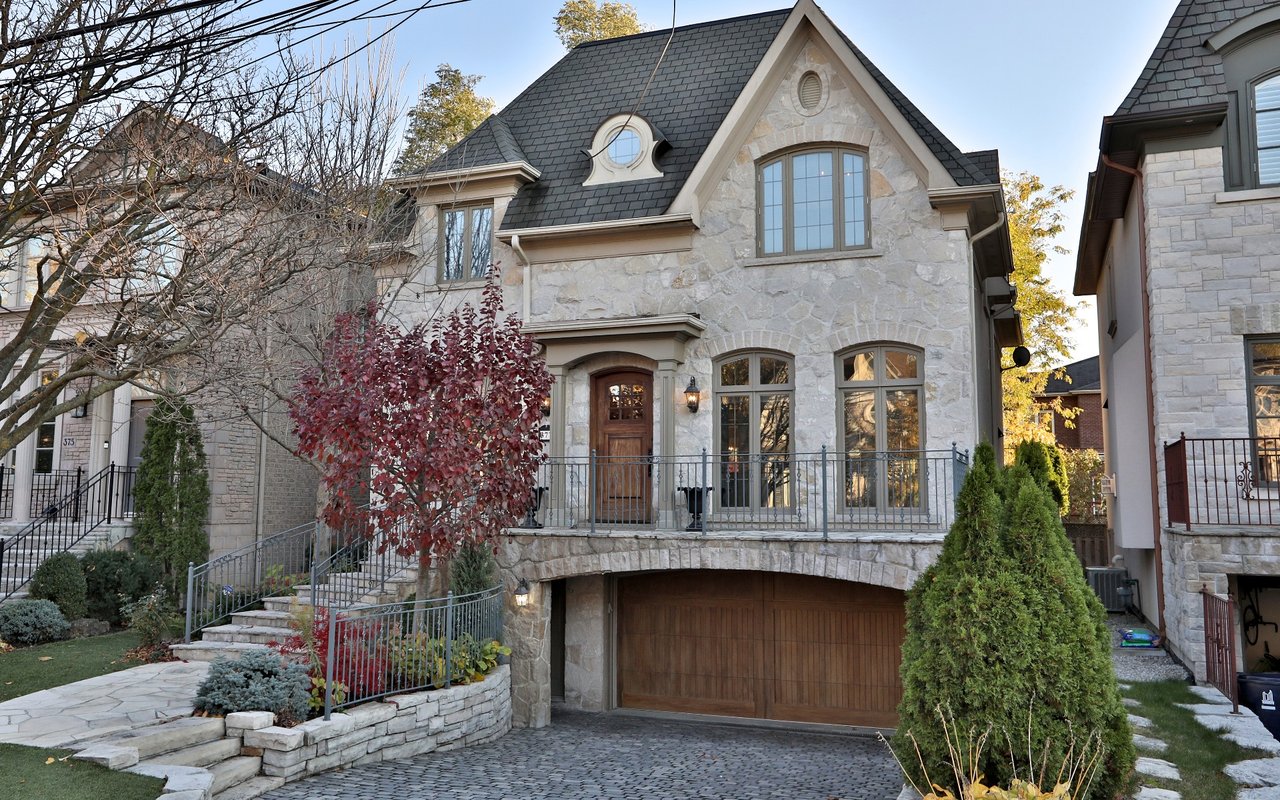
[788, 212]
[837, 200]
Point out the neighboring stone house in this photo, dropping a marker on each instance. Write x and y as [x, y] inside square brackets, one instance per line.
[773, 296]
[257, 487]
[1079, 387]
[1181, 246]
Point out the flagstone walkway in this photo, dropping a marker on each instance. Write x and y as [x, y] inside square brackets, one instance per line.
[65, 715]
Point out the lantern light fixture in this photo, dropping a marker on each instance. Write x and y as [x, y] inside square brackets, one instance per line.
[522, 593]
[692, 395]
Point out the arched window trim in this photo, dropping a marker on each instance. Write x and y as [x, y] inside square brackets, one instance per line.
[786, 158]
[1256, 148]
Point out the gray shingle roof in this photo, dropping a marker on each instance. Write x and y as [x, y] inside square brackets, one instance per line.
[704, 71]
[1084, 377]
[1183, 72]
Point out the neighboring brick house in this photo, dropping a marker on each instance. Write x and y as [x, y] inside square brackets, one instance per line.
[256, 486]
[773, 296]
[1181, 246]
[1079, 388]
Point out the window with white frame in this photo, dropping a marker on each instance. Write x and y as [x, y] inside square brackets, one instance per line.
[813, 200]
[466, 251]
[881, 395]
[156, 258]
[755, 393]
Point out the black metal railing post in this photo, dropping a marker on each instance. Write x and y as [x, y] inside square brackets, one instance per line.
[448, 641]
[111, 492]
[824, 492]
[191, 583]
[592, 491]
[329, 657]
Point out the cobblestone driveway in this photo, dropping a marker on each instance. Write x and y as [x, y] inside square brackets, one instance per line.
[610, 756]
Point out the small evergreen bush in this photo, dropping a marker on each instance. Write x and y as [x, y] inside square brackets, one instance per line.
[113, 579]
[1047, 465]
[259, 681]
[472, 569]
[60, 579]
[26, 622]
[1005, 638]
[171, 492]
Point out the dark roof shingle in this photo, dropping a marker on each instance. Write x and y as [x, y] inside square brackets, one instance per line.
[705, 69]
[1084, 377]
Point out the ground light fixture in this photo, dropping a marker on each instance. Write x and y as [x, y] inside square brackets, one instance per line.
[522, 593]
[692, 394]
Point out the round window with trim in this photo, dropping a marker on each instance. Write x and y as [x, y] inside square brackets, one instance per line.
[624, 148]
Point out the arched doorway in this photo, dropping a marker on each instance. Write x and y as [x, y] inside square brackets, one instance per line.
[622, 438]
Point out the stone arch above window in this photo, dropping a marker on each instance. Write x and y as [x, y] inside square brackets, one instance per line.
[624, 149]
[814, 198]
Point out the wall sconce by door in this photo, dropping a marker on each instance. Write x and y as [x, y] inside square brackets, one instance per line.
[692, 395]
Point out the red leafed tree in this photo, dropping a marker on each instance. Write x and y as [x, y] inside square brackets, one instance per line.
[438, 423]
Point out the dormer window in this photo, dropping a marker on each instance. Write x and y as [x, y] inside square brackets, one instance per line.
[623, 150]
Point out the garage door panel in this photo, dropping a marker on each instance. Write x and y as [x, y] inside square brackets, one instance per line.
[752, 644]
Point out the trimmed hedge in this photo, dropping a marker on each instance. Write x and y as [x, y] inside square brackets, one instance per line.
[60, 579]
[113, 579]
[1004, 635]
[27, 622]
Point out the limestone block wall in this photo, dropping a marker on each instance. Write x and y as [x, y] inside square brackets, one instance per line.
[397, 727]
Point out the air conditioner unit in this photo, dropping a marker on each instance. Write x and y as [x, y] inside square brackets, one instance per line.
[1106, 583]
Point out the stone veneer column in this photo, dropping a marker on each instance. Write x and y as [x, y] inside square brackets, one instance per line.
[121, 406]
[665, 391]
[527, 631]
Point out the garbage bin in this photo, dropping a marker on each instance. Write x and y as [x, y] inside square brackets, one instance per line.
[1259, 692]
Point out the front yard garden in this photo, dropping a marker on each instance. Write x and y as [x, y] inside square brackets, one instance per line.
[30, 669]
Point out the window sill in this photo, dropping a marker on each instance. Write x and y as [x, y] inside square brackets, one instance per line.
[454, 286]
[1248, 195]
[811, 258]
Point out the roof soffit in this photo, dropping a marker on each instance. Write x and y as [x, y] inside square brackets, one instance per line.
[807, 24]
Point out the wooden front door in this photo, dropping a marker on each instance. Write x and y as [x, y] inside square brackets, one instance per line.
[753, 644]
[622, 436]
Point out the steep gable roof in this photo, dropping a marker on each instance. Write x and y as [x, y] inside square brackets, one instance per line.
[1081, 376]
[1182, 71]
[706, 67]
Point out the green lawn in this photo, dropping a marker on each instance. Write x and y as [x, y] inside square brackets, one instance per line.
[25, 775]
[23, 672]
[1199, 753]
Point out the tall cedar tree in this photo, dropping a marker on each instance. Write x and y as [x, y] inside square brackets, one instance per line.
[472, 569]
[171, 492]
[447, 110]
[589, 21]
[1035, 219]
[442, 419]
[1004, 635]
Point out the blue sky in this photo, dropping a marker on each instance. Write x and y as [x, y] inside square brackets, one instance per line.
[1031, 77]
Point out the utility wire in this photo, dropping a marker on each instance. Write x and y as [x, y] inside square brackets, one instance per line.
[644, 92]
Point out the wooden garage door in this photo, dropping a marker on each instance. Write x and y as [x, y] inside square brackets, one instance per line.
[750, 644]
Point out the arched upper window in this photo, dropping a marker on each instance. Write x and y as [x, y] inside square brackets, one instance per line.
[813, 200]
[755, 397]
[881, 390]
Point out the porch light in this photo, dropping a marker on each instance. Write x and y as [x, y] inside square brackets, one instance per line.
[692, 394]
[80, 412]
[546, 406]
[522, 593]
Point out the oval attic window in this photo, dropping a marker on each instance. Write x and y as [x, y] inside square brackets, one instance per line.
[810, 91]
[624, 149]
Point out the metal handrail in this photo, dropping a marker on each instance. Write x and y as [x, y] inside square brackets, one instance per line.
[63, 524]
[826, 491]
[360, 568]
[394, 648]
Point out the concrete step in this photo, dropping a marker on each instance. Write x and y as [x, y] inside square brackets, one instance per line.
[201, 755]
[254, 787]
[248, 634]
[167, 737]
[262, 619]
[210, 651]
[234, 771]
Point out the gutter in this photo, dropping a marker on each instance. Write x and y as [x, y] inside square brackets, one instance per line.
[1136, 174]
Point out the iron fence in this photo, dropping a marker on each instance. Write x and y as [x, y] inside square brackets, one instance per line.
[6, 492]
[1223, 481]
[1220, 645]
[821, 492]
[358, 571]
[394, 648]
[70, 516]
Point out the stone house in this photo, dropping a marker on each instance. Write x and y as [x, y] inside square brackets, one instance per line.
[773, 296]
[1181, 246]
[257, 487]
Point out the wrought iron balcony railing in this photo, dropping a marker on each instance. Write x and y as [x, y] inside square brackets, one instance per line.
[1223, 481]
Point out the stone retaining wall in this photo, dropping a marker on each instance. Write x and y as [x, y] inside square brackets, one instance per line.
[397, 727]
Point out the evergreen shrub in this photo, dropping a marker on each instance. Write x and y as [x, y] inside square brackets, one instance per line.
[113, 579]
[60, 579]
[1005, 638]
[472, 569]
[171, 493]
[27, 622]
[261, 680]
[1047, 464]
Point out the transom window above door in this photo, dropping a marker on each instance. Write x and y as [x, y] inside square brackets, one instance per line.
[813, 200]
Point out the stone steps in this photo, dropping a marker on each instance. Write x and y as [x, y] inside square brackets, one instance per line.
[201, 755]
[210, 651]
[234, 771]
[246, 634]
[262, 619]
[167, 737]
[254, 787]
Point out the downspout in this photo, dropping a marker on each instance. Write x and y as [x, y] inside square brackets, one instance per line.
[1150, 380]
[526, 300]
[996, 386]
[990, 229]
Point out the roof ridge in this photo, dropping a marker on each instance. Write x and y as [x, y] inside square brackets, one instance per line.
[1158, 53]
[666, 31]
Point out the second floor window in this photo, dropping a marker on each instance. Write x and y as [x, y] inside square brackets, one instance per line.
[466, 243]
[1266, 108]
[813, 200]
[20, 269]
